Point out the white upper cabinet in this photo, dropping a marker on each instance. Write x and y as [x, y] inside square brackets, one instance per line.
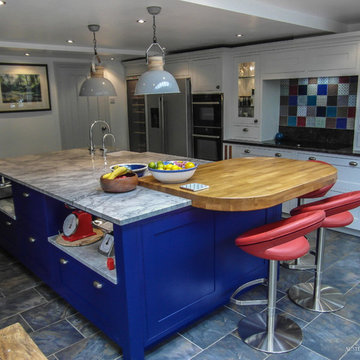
[206, 75]
[178, 69]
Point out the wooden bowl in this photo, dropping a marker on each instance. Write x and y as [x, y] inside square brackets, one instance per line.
[120, 185]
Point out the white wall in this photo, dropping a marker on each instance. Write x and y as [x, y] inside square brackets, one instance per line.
[39, 131]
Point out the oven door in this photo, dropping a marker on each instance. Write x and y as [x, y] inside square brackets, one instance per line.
[207, 110]
[207, 147]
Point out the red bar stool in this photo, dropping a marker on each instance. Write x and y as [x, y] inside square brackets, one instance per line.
[315, 296]
[307, 262]
[282, 240]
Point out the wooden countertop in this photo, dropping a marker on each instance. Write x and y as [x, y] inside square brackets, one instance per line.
[250, 183]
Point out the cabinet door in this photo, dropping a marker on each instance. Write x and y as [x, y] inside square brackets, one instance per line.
[206, 75]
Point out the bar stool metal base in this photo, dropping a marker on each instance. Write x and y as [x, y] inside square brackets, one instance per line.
[330, 299]
[253, 331]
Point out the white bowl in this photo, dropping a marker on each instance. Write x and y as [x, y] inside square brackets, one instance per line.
[173, 176]
[137, 168]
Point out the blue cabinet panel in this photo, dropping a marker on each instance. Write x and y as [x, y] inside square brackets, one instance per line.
[8, 239]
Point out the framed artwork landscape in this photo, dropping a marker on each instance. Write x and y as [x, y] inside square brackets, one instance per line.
[24, 87]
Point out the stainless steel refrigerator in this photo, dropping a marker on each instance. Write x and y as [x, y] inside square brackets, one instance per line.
[168, 121]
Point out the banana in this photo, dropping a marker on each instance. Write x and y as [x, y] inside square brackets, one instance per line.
[106, 176]
[121, 170]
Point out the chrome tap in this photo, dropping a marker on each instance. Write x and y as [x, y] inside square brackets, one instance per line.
[103, 142]
[92, 146]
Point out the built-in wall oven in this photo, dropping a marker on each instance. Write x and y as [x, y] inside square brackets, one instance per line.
[207, 126]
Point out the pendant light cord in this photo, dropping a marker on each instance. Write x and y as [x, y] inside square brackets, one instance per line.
[154, 31]
[94, 42]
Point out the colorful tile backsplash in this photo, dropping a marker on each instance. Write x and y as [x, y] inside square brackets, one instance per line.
[325, 102]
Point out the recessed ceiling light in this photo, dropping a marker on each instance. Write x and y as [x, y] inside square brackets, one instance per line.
[112, 59]
[239, 35]
[70, 41]
[27, 54]
[141, 21]
[2, 2]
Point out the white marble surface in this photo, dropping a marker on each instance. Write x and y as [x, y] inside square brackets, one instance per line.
[72, 176]
[7, 207]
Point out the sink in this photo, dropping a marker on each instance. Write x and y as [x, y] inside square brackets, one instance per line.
[5, 190]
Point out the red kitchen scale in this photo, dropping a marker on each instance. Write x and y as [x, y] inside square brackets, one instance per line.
[77, 225]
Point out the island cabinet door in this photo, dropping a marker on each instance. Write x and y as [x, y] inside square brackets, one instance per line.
[8, 238]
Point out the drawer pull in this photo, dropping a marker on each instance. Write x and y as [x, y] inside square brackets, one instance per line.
[25, 194]
[353, 163]
[278, 154]
[97, 285]
[256, 121]
[247, 151]
[245, 129]
[8, 223]
[31, 239]
[312, 158]
[63, 261]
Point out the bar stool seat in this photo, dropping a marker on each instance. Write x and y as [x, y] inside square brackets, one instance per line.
[316, 296]
[281, 240]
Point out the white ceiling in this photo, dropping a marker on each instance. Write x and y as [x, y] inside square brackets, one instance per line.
[41, 27]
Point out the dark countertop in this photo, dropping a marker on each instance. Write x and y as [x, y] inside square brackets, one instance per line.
[295, 146]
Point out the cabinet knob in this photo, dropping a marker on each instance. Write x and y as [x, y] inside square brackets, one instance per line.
[97, 285]
[218, 87]
[245, 129]
[256, 121]
[353, 163]
[247, 151]
[8, 223]
[32, 239]
[63, 261]
[25, 194]
[312, 158]
[278, 154]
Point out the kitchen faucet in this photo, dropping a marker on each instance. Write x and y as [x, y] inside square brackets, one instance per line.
[92, 147]
[103, 142]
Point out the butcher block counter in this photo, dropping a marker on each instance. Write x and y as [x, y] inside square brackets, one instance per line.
[245, 184]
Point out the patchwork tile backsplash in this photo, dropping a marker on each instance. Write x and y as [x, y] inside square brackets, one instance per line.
[325, 102]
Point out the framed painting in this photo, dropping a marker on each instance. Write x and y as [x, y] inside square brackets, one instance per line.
[24, 87]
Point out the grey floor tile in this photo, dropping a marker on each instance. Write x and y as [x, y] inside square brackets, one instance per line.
[15, 319]
[46, 292]
[97, 347]
[46, 314]
[84, 326]
[56, 337]
[19, 302]
[175, 348]
[213, 327]
[298, 354]
[330, 335]
[230, 348]
[288, 277]
[353, 352]
[351, 309]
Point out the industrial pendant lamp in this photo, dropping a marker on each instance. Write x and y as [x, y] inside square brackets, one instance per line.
[156, 80]
[96, 84]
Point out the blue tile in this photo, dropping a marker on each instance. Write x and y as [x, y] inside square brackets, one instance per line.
[321, 111]
[230, 348]
[323, 80]
[293, 100]
[213, 327]
[46, 292]
[353, 352]
[341, 123]
[15, 319]
[56, 337]
[331, 111]
[301, 353]
[292, 121]
[177, 348]
[329, 335]
[48, 313]
[302, 100]
[351, 309]
[311, 100]
[303, 81]
[81, 324]
[98, 347]
[302, 90]
[322, 90]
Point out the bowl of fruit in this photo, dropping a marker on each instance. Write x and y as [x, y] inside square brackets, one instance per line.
[137, 168]
[119, 180]
[172, 172]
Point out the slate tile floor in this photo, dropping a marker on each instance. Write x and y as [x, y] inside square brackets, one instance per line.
[63, 334]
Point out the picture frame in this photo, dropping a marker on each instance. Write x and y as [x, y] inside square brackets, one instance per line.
[24, 87]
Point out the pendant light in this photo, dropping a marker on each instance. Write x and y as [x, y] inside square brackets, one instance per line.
[96, 84]
[156, 80]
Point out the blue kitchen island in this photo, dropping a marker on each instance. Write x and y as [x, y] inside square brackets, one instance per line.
[175, 260]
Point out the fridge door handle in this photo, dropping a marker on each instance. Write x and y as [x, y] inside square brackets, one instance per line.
[206, 136]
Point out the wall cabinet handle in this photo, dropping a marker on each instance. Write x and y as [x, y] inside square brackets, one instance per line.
[353, 163]
[247, 151]
[25, 194]
[8, 223]
[278, 154]
[245, 129]
[312, 158]
[32, 239]
[63, 261]
[97, 285]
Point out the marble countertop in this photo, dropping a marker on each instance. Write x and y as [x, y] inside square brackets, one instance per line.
[72, 176]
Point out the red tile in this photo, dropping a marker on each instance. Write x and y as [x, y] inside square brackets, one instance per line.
[344, 79]
[293, 90]
[351, 111]
[301, 121]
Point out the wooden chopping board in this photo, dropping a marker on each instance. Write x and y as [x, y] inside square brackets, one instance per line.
[249, 183]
